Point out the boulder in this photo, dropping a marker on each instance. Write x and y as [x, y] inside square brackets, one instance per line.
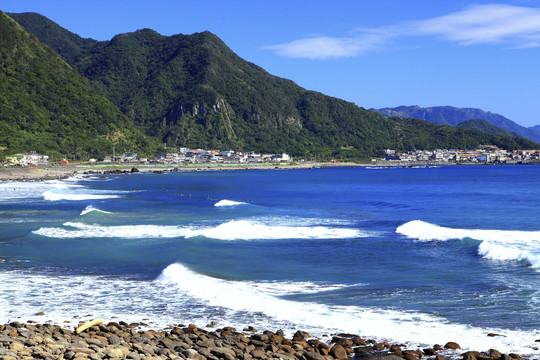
[193, 354]
[258, 354]
[337, 351]
[496, 355]
[312, 355]
[223, 353]
[452, 345]
[260, 337]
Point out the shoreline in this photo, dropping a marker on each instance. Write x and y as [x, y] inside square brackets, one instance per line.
[59, 172]
[117, 340]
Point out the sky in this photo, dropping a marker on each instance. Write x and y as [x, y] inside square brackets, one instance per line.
[375, 53]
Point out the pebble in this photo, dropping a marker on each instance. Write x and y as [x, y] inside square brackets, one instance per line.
[119, 340]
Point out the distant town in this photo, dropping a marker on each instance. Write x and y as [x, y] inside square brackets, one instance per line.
[183, 156]
[487, 155]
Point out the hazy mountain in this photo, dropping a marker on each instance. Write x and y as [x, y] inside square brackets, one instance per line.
[192, 90]
[448, 115]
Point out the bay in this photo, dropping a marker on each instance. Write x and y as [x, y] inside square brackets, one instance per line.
[417, 255]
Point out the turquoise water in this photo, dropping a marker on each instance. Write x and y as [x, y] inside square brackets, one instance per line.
[418, 255]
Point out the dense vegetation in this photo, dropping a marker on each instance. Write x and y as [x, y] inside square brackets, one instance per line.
[449, 115]
[46, 106]
[192, 90]
[484, 126]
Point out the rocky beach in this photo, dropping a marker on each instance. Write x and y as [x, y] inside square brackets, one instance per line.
[120, 340]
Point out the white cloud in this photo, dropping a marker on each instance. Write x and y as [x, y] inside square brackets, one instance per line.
[516, 26]
[496, 23]
[332, 47]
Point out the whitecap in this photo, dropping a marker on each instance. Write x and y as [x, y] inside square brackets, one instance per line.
[231, 230]
[226, 202]
[91, 208]
[494, 244]
[57, 195]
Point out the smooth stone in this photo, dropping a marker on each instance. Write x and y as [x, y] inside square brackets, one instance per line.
[339, 352]
[452, 345]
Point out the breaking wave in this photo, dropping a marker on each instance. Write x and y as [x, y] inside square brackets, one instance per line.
[231, 230]
[402, 326]
[90, 209]
[494, 244]
[228, 203]
[56, 195]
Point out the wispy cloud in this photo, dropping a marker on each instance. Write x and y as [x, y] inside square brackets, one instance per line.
[479, 24]
[516, 26]
[333, 47]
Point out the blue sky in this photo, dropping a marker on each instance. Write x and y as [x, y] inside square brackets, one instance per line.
[375, 53]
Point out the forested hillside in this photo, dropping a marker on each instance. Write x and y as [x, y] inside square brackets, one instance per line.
[46, 106]
[192, 90]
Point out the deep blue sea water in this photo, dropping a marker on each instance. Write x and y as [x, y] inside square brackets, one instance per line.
[417, 255]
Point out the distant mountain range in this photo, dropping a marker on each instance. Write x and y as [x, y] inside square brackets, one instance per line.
[448, 115]
[80, 97]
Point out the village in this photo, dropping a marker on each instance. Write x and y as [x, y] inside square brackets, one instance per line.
[487, 155]
[185, 156]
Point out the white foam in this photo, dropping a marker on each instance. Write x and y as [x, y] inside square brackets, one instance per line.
[495, 244]
[231, 230]
[250, 230]
[226, 202]
[399, 326]
[90, 209]
[55, 195]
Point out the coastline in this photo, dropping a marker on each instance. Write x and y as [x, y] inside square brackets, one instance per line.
[117, 340]
[57, 172]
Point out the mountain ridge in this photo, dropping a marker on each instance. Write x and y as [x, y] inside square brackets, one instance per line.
[192, 90]
[449, 115]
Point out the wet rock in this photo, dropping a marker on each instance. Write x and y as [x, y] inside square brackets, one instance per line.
[452, 345]
[494, 354]
[411, 354]
[300, 335]
[337, 351]
[260, 337]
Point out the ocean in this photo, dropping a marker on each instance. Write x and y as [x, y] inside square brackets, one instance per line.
[421, 255]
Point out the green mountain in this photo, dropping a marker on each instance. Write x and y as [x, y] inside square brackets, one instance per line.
[484, 126]
[192, 90]
[46, 106]
[449, 115]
